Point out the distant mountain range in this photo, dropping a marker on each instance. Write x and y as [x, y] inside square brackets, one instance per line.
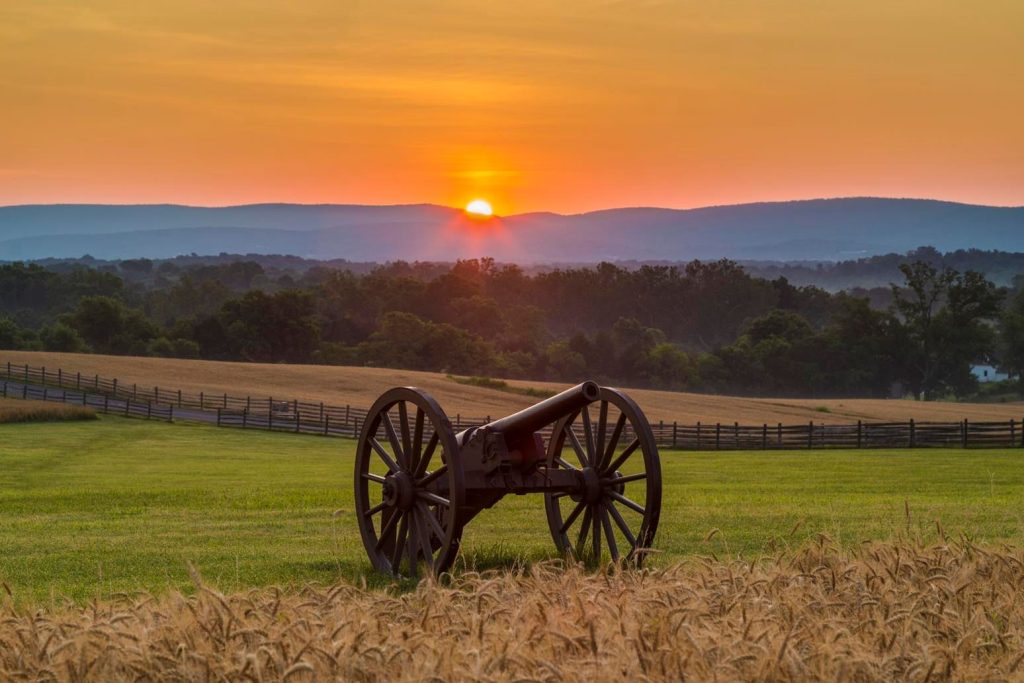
[820, 229]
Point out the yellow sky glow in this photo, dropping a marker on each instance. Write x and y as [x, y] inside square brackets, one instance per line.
[565, 106]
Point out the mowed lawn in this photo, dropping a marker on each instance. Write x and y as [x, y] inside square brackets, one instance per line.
[118, 505]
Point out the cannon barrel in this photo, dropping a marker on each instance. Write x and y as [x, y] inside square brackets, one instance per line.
[536, 417]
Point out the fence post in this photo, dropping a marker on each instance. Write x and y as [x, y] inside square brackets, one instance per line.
[156, 394]
[1013, 432]
[963, 433]
[127, 407]
[327, 424]
[149, 410]
[860, 433]
[45, 394]
[675, 434]
[912, 433]
[170, 413]
[245, 418]
[810, 434]
[248, 403]
[698, 435]
[115, 386]
[106, 403]
[780, 435]
[718, 435]
[296, 417]
[764, 437]
[179, 398]
[348, 409]
[60, 377]
[24, 391]
[736, 435]
[218, 417]
[270, 414]
[225, 401]
[202, 401]
[78, 381]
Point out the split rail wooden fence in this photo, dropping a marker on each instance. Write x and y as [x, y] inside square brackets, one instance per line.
[304, 417]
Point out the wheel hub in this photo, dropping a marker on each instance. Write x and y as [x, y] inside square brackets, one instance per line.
[399, 490]
[592, 490]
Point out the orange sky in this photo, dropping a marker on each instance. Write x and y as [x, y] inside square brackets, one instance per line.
[563, 106]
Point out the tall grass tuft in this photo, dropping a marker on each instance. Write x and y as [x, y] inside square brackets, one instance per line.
[881, 612]
[15, 410]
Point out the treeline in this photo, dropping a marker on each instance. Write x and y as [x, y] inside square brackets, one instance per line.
[703, 326]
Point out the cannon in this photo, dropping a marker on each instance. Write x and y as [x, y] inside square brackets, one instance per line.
[418, 483]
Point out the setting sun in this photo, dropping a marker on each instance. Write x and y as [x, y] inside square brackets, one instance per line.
[479, 207]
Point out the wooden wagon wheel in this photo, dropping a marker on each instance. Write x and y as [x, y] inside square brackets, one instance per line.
[408, 484]
[616, 513]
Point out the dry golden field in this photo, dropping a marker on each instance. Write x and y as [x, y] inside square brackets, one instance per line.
[885, 612]
[360, 386]
[16, 410]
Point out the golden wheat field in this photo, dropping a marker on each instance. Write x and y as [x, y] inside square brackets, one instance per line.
[883, 612]
[360, 386]
[16, 410]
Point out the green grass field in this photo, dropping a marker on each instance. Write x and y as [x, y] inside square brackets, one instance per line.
[116, 505]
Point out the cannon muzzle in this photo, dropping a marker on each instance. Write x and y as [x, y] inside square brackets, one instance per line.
[536, 417]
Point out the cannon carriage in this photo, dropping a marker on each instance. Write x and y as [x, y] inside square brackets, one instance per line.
[418, 483]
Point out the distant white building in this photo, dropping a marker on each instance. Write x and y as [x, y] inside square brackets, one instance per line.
[988, 373]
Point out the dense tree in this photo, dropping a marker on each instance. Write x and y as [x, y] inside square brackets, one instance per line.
[107, 325]
[1012, 338]
[707, 326]
[946, 316]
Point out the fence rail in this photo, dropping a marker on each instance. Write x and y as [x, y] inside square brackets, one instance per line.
[291, 415]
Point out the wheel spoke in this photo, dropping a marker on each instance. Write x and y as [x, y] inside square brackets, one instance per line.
[597, 532]
[429, 479]
[611, 481]
[435, 526]
[566, 464]
[588, 433]
[624, 456]
[387, 531]
[424, 539]
[433, 498]
[417, 441]
[627, 502]
[403, 419]
[396, 555]
[411, 546]
[572, 517]
[428, 453]
[384, 455]
[621, 523]
[576, 446]
[375, 509]
[373, 477]
[389, 429]
[584, 530]
[612, 443]
[602, 428]
[613, 547]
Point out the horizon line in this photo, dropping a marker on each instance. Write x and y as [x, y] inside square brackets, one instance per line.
[513, 215]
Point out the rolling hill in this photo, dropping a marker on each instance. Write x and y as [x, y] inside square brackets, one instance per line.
[822, 229]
